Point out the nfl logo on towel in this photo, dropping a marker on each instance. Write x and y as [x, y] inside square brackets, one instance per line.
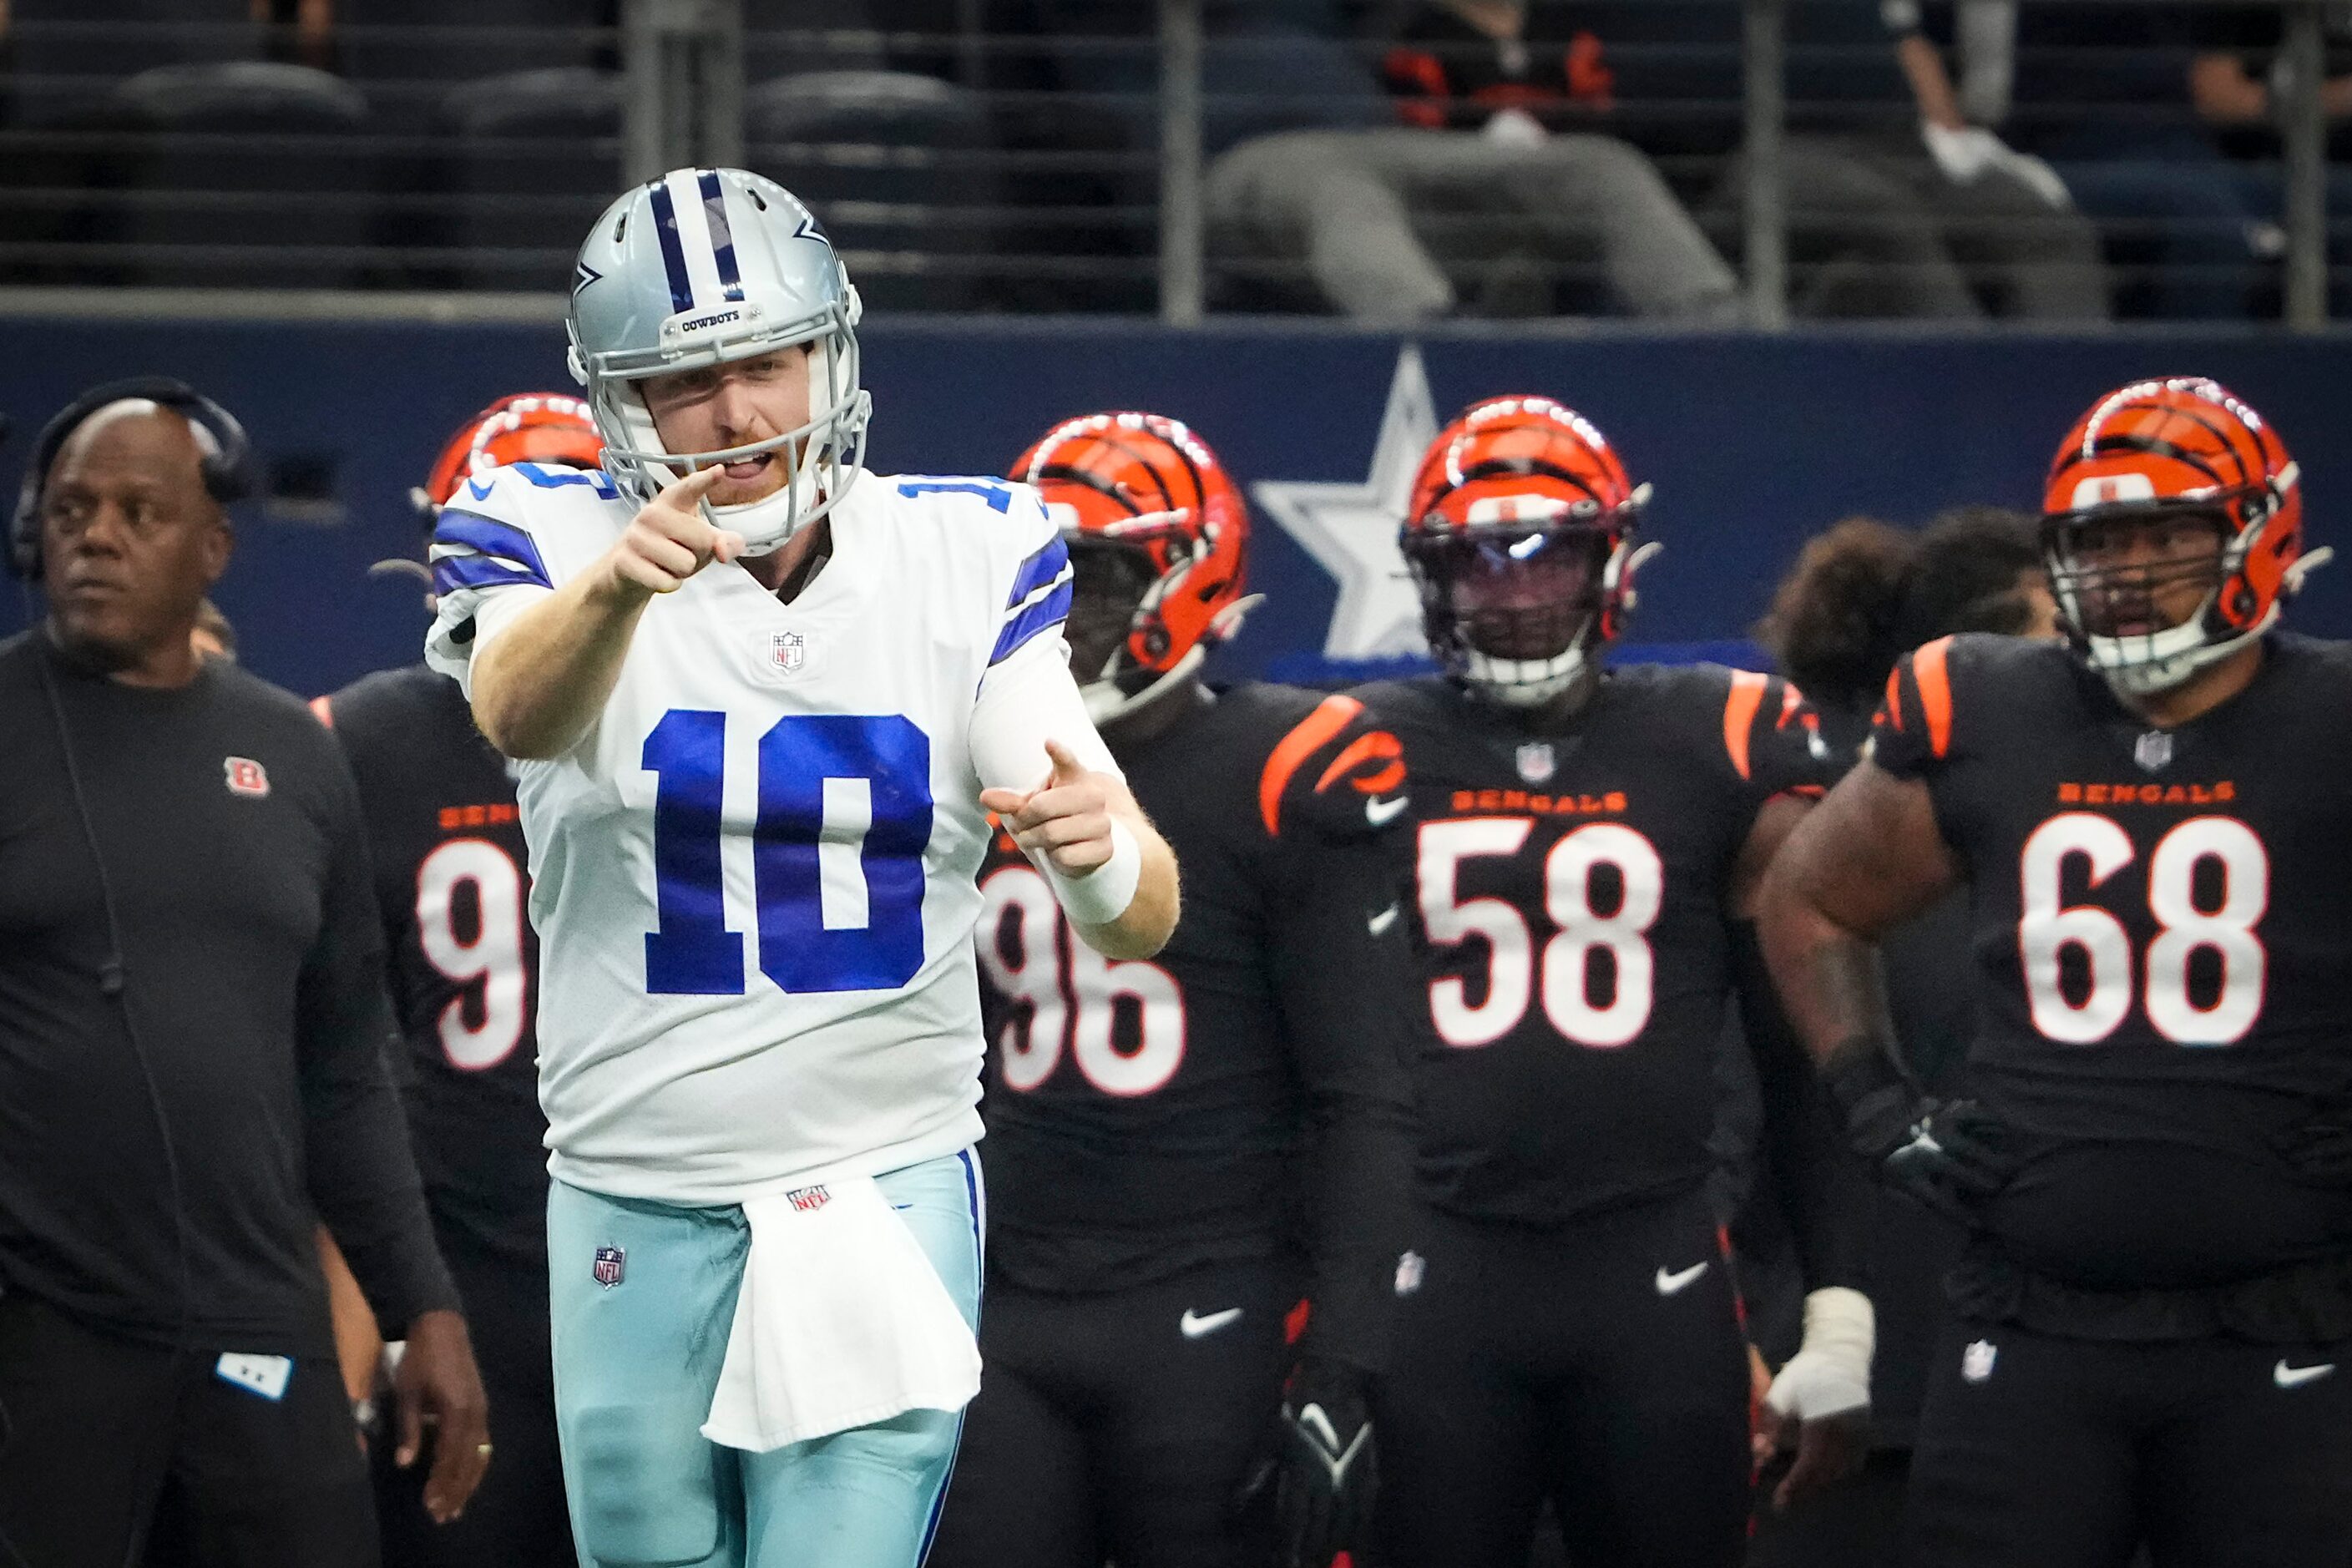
[787, 650]
[807, 1200]
[610, 1262]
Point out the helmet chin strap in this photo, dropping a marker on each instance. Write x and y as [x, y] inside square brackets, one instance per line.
[1106, 701]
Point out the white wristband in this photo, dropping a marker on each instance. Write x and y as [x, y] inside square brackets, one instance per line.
[1101, 895]
[1831, 1374]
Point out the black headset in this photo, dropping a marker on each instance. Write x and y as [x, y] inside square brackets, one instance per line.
[227, 463]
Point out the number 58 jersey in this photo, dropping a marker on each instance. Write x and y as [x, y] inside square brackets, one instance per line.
[2162, 940]
[754, 879]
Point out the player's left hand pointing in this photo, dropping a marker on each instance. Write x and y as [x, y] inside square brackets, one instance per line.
[1066, 819]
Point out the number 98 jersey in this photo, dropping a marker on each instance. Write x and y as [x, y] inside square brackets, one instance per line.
[2162, 940]
[753, 877]
[447, 842]
[1569, 891]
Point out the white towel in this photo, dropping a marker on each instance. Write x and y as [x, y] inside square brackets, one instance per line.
[842, 1322]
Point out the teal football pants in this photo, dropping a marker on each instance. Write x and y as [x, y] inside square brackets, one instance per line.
[636, 1361]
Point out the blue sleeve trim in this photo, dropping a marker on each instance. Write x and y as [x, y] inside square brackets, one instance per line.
[1042, 616]
[488, 535]
[452, 572]
[1038, 571]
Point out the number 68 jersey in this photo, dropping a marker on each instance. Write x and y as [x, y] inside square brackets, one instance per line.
[2162, 945]
[754, 879]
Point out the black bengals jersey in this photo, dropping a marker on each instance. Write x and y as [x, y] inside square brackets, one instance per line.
[1245, 1089]
[2162, 937]
[451, 874]
[1576, 953]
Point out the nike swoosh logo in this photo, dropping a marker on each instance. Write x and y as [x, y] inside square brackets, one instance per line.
[2287, 1376]
[1379, 925]
[1380, 812]
[1195, 1325]
[1672, 1284]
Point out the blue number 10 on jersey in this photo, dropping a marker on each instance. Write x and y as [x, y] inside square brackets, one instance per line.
[836, 854]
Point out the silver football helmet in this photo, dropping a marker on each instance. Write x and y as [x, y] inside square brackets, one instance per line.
[699, 267]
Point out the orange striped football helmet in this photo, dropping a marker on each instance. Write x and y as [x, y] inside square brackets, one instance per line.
[1521, 539]
[1158, 534]
[524, 428]
[2172, 523]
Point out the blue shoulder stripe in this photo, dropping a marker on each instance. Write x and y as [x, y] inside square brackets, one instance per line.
[1042, 616]
[452, 572]
[1038, 571]
[472, 531]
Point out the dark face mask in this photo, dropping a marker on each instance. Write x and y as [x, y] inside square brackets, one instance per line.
[1522, 596]
[1108, 585]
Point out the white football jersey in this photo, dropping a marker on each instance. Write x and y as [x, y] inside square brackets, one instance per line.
[753, 879]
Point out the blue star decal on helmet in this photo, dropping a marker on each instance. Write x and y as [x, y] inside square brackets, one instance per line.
[583, 275]
[811, 229]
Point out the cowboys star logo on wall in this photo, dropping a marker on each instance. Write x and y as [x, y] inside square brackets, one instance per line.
[1351, 527]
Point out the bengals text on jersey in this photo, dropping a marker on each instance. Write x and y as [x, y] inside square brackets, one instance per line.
[2161, 932]
[1569, 893]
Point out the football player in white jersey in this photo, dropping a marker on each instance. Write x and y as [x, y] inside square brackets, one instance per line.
[763, 703]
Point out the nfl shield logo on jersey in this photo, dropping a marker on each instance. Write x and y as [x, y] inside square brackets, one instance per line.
[1537, 763]
[1976, 1361]
[610, 1263]
[787, 650]
[2153, 751]
[1410, 1269]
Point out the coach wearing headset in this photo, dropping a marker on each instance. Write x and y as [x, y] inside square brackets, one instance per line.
[192, 1036]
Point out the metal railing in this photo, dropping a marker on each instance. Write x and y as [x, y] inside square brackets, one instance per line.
[973, 169]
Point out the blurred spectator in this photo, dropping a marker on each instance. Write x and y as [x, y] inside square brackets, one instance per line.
[1874, 228]
[2237, 82]
[1880, 227]
[1499, 159]
[2088, 95]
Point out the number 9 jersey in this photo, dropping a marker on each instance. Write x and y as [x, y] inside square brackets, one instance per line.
[2163, 933]
[754, 879]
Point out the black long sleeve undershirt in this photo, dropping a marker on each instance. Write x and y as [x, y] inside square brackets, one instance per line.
[252, 1018]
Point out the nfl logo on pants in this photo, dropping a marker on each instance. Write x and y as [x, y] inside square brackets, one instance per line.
[610, 1262]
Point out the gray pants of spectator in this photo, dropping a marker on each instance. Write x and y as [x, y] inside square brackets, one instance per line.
[1876, 230]
[1346, 203]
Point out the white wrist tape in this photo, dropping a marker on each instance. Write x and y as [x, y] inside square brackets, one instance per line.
[1829, 1375]
[1102, 895]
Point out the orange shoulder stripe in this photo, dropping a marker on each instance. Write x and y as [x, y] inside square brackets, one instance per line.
[1331, 716]
[1928, 667]
[1373, 746]
[1895, 697]
[325, 709]
[1739, 714]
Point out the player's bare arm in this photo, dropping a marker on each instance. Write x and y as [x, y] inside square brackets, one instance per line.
[541, 683]
[1068, 822]
[1775, 821]
[1868, 857]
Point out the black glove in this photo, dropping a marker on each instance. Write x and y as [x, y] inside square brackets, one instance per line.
[1950, 1155]
[1320, 1468]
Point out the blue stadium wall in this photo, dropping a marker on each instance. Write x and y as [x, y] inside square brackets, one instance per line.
[1753, 443]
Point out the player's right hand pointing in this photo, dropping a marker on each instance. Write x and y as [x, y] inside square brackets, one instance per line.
[670, 540]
